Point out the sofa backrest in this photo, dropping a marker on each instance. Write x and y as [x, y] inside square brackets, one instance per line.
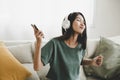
[93, 43]
[22, 50]
[91, 47]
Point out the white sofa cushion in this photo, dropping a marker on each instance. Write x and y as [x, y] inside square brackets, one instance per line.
[82, 74]
[23, 52]
[116, 39]
[91, 47]
[43, 72]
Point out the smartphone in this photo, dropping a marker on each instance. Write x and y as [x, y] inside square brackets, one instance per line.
[33, 25]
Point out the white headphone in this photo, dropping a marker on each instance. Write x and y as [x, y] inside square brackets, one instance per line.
[66, 23]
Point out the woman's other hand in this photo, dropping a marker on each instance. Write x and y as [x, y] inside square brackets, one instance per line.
[97, 61]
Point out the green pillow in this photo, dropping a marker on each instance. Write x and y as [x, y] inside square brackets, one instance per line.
[111, 63]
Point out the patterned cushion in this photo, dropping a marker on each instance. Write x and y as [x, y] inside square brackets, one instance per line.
[111, 64]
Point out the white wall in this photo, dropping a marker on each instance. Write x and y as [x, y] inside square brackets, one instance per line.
[16, 16]
[15, 19]
[106, 19]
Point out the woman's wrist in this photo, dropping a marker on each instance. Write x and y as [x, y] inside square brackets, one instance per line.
[92, 62]
[38, 43]
[88, 62]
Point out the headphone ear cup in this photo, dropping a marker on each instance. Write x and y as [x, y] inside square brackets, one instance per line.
[66, 23]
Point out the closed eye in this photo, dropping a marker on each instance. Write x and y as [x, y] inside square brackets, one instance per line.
[78, 20]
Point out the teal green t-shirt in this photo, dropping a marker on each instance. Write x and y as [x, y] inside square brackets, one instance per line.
[64, 61]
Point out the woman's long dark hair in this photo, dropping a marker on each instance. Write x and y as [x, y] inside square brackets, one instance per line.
[82, 38]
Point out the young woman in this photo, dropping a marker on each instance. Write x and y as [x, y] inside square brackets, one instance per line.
[65, 53]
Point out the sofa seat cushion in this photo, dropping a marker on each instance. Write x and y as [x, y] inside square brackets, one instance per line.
[82, 74]
[34, 75]
[43, 72]
[10, 67]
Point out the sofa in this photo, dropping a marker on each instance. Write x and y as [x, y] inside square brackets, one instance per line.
[23, 51]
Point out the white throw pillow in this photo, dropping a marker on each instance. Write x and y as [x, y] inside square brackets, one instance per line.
[23, 52]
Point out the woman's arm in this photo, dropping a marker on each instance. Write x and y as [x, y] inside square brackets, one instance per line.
[87, 62]
[96, 61]
[37, 55]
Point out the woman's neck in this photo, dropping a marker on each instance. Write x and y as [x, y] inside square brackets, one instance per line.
[72, 41]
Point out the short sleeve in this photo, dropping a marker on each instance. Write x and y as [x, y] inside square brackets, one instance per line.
[47, 52]
[83, 52]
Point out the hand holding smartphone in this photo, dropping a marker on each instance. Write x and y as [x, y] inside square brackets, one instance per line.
[33, 25]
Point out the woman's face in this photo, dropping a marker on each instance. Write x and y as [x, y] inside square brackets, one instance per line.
[78, 24]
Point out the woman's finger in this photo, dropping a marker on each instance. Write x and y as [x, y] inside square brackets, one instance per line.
[100, 61]
[40, 34]
[34, 29]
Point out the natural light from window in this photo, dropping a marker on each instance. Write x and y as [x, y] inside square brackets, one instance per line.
[46, 14]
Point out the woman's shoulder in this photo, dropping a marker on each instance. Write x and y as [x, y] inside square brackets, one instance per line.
[56, 39]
